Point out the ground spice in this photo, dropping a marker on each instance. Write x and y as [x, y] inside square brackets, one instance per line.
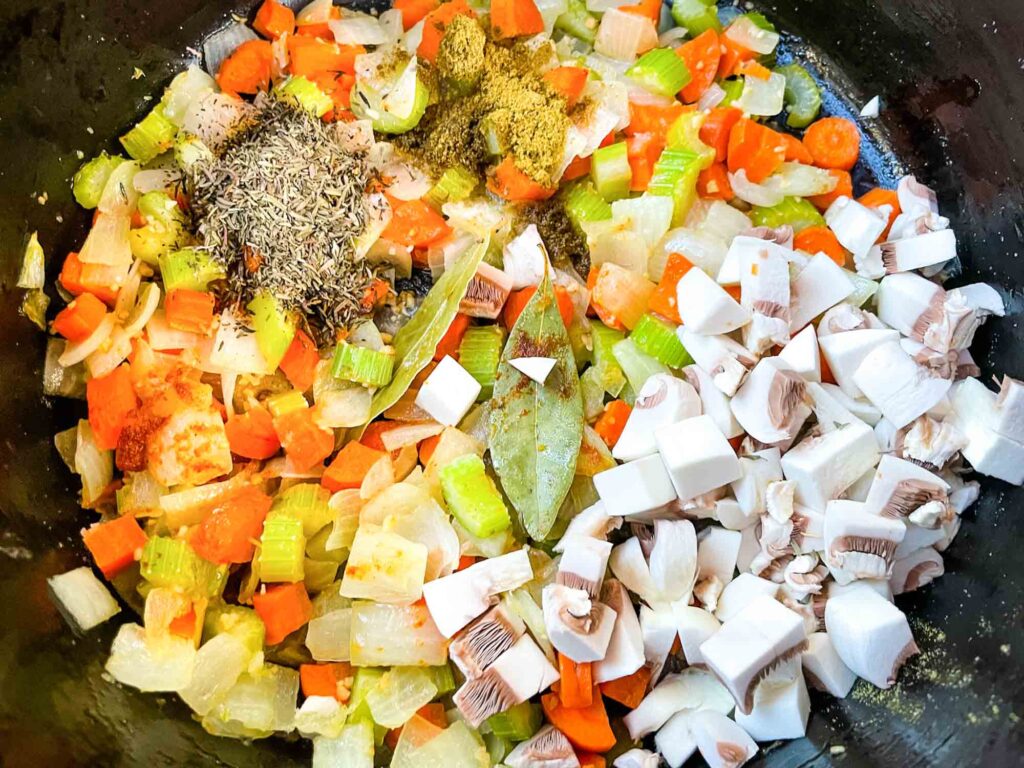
[565, 243]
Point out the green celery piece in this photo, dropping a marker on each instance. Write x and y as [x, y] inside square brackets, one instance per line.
[416, 341]
[243, 623]
[164, 230]
[497, 747]
[472, 497]
[592, 392]
[282, 549]
[33, 265]
[479, 354]
[583, 204]
[364, 681]
[604, 339]
[456, 184]
[696, 15]
[366, 106]
[759, 19]
[798, 212]
[285, 402]
[536, 430]
[443, 678]
[578, 22]
[307, 95]
[684, 133]
[518, 723]
[802, 96]
[610, 171]
[91, 178]
[274, 327]
[308, 503]
[151, 136]
[189, 268]
[660, 71]
[637, 365]
[369, 367]
[318, 575]
[189, 150]
[863, 288]
[675, 175]
[657, 338]
[316, 547]
[168, 562]
[733, 88]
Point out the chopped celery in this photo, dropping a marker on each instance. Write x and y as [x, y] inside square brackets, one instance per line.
[592, 390]
[364, 680]
[863, 288]
[398, 694]
[308, 503]
[660, 71]
[696, 15]
[578, 22]
[455, 185]
[604, 339]
[285, 402]
[803, 98]
[91, 178]
[637, 365]
[164, 230]
[794, 211]
[33, 265]
[367, 106]
[472, 496]
[583, 204]
[479, 354]
[675, 175]
[307, 95]
[282, 549]
[758, 20]
[189, 150]
[684, 133]
[173, 563]
[316, 546]
[274, 327]
[151, 136]
[369, 367]
[733, 88]
[442, 677]
[610, 171]
[244, 623]
[497, 747]
[518, 723]
[189, 268]
[658, 339]
[319, 574]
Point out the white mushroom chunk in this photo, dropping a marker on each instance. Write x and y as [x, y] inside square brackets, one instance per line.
[846, 317]
[803, 577]
[658, 630]
[862, 409]
[714, 402]
[764, 291]
[916, 198]
[900, 488]
[583, 563]
[857, 227]
[722, 742]
[625, 653]
[519, 673]
[749, 547]
[594, 521]
[751, 644]
[845, 351]
[692, 689]
[770, 405]
[635, 488]
[726, 361]
[780, 712]
[746, 246]
[486, 293]
[730, 514]
[918, 251]
[987, 451]
[870, 634]
[577, 626]
[663, 399]
[759, 470]
[802, 356]
[897, 385]
[916, 570]
[808, 529]
[637, 758]
[697, 455]
[694, 625]
[1001, 412]
[548, 748]
[525, 259]
[629, 564]
[480, 644]
[922, 310]
[741, 592]
[455, 600]
[717, 550]
[820, 285]
[941, 364]
[675, 740]
[859, 544]
[705, 307]
[880, 587]
[536, 368]
[673, 561]
[823, 669]
[448, 392]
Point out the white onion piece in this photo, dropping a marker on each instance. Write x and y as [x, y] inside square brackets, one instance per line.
[93, 465]
[409, 434]
[76, 352]
[186, 87]
[119, 194]
[600, 6]
[398, 257]
[366, 335]
[279, 56]
[163, 337]
[129, 290]
[674, 35]
[550, 10]
[155, 180]
[413, 37]
[746, 33]
[223, 42]
[799, 180]
[767, 194]
[711, 98]
[82, 598]
[391, 23]
[358, 29]
[213, 117]
[233, 348]
[703, 249]
[378, 216]
[144, 309]
[107, 242]
[228, 381]
[623, 35]
[110, 355]
[316, 12]
[763, 97]
[407, 182]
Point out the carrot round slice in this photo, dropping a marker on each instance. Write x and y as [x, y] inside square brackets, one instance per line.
[834, 142]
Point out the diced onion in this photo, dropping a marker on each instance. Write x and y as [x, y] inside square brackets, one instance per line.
[623, 35]
[399, 257]
[391, 23]
[747, 34]
[768, 194]
[328, 637]
[82, 598]
[799, 180]
[223, 43]
[702, 249]
[601, 6]
[316, 12]
[107, 358]
[76, 352]
[674, 35]
[107, 242]
[408, 182]
[146, 304]
[413, 36]
[213, 116]
[358, 29]
[378, 216]
[186, 87]
[129, 290]
[155, 180]
[150, 666]
[409, 434]
[234, 348]
[763, 97]
[58, 380]
[119, 194]
[550, 10]
[218, 665]
[711, 98]
[93, 465]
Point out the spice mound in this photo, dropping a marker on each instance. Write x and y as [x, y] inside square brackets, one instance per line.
[280, 207]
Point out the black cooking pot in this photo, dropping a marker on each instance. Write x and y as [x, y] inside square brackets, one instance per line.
[951, 77]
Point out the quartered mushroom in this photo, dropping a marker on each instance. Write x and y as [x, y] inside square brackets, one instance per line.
[751, 644]
[780, 711]
[663, 399]
[759, 469]
[942, 364]
[658, 630]
[802, 356]
[917, 569]
[770, 405]
[820, 285]
[697, 455]
[776, 241]
[535, 368]
[694, 625]
[689, 690]
[984, 300]
[859, 544]
[637, 758]
[919, 250]
[636, 488]
[675, 740]
[486, 293]
[714, 402]
[741, 592]
[722, 742]
[548, 748]
[901, 490]
[880, 587]
[594, 521]
[480, 644]
[984, 423]
[803, 577]
[583, 564]
[916, 198]
[922, 310]
[845, 351]
[808, 529]
[707, 590]
[862, 409]
[823, 669]
[519, 673]
[870, 634]
[901, 388]
[717, 550]
[577, 626]
[857, 227]
[705, 307]
[726, 361]
[764, 291]
[625, 652]
[525, 259]
[668, 573]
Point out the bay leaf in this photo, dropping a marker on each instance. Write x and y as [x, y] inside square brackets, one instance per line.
[536, 429]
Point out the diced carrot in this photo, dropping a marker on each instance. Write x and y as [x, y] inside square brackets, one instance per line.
[701, 55]
[509, 183]
[310, 56]
[815, 239]
[737, 441]
[576, 683]
[284, 608]
[452, 339]
[338, 87]
[350, 466]
[111, 400]
[716, 129]
[877, 197]
[414, 10]
[652, 118]
[433, 713]
[251, 435]
[734, 291]
[610, 424]
[465, 561]
[753, 69]
[578, 168]
[844, 187]
[796, 152]
[321, 29]
[375, 294]
[733, 54]
[80, 318]
[273, 20]
[189, 310]
[414, 223]
[184, 625]
[643, 151]
[586, 727]
[629, 690]
[663, 301]
[247, 70]
[300, 361]
[114, 544]
[515, 18]
[620, 296]
[590, 760]
[834, 142]
[756, 149]
[713, 183]
[436, 22]
[318, 680]
[651, 9]
[371, 436]
[228, 534]
[76, 279]
[427, 448]
[305, 442]
[568, 82]
[518, 300]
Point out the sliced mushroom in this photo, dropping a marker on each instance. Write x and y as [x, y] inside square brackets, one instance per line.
[486, 293]
[519, 673]
[780, 712]
[770, 405]
[481, 643]
[820, 285]
[577, 626]
[625, 653]
[751, 644]
[717, 550]
[723, 359]
[912, 224]
[801, 354]
[759, 470]
[984, 300]
[916, 198]
[721, 742]
[764, 291]
[803, 577]
[916, 570]
[870, 634]
[846, 350]
[707, 591]
[749, 547]
[846, 317]
[741, 592]
[583, 564]
[691, 689]
[663, 399]
[922, 250]
[808, 529]
[714, 402]
[548, 748]
[593, 521]
[636, 488]
[899, 387]
[637, 758]
[730, 514]
[694, 625]
[859, 544]
[857, 227]
[942, 364]
[901, 487]
[697, 455]
[675, 740]
[823, 668]
[658, 630]
[776, 542]
[922, 310]
[705, 307]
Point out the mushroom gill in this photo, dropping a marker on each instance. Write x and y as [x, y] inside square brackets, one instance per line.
[908, 495]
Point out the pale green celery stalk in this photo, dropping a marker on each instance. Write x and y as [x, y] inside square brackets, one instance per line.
[91, 178]
[274, 327]
[660, 71]
[173, 563]
[583, 203]
[308, 503]
[189, 268]
[675, 175]
[657, 338]
[307, 95]
[472, 496]
[638, 366]
[282, 549]
[610, 171]
[578, 22]
[369, 367]
[604, 339]
[479, 354]
[152, 136]
[456, 184]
